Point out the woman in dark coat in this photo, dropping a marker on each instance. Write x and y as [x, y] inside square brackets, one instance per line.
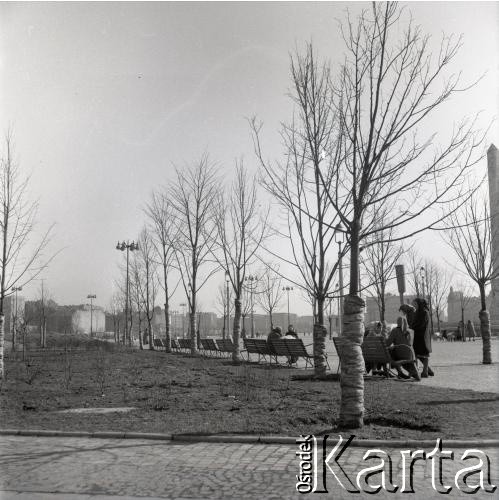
[422, 335]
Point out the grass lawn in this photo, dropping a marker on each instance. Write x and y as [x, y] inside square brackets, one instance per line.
[175, 393]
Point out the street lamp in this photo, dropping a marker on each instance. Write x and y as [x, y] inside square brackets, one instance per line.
[91, 297]
[252, 280]
[227, 280]
[14, 318]
[288, 289]
[183, 306]
[340, 238]
[129, 247]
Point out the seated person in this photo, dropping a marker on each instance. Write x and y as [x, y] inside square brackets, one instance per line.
[291, 334]
[276, 333]
[377, 369]
[400, 336]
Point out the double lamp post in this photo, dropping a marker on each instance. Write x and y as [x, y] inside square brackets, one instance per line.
[129, 247]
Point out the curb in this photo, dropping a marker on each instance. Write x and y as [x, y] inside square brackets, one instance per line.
[249, 439]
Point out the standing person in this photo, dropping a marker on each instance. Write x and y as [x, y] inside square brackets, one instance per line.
[471, 330]
[422, 335]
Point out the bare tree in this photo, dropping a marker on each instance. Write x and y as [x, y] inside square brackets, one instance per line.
[437, 285]
[221, 306]
[193, 197]
[379, 261]
[414, 264]
[389, 84]
[311, 142]
[136, 298]
[240, 232]
[149, 285]
[470, 236]
[270, 293]
[18, 266]
[165, 233]
[115, 309]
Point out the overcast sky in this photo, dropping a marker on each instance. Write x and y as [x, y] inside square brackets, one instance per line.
[104, 98]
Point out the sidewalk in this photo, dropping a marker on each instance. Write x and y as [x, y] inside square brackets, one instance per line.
[46, 468]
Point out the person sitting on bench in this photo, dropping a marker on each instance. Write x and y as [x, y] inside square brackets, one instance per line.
[400, 336]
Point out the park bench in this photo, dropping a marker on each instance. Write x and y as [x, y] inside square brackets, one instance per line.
[294, 349]
[225, 346]
[158, 344]
[185, 344]
[375, 352]
[260, 347]
[175, 345]
[210, 346]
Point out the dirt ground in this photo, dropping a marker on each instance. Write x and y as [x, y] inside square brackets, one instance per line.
[175, 393]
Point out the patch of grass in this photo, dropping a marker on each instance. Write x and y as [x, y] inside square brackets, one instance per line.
[178, 394]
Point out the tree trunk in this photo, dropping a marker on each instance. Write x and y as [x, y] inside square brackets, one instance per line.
[192, 319]
[485, 328]
[319, 343]
[352, 364]
[13, 334]
[236, 355]
[150, 333]
[2, 341]
[463, 335]
[382, 308]
[168, 339]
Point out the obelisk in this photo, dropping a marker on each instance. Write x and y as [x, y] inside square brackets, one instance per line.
[493, 173]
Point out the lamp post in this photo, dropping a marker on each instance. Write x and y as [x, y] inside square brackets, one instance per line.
[14, 317]
[340, 238]
[91, 297]
[252, 280]
[287, 289]
[129, 247]
[183, 306]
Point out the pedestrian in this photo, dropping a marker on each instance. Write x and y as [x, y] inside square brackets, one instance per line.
[422, 335]
[471, 330]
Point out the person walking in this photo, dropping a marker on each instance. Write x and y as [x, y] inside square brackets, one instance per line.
[471, 330]
[422, 335]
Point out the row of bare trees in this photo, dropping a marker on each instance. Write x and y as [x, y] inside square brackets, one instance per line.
[360, 151]
[361, 159]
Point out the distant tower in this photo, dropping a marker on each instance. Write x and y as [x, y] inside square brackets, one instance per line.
[493, 171]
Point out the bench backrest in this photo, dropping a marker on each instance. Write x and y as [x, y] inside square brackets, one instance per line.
[280, 347]
[250, 346]
[296, 347]
[263, 347]
[205, 344]
[175, 344]
[374, 350]
[225, 345]
[157, 343]
[211, 345]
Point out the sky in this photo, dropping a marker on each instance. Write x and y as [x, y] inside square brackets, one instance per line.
[105, 99]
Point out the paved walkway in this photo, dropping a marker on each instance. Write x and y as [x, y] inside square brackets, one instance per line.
[55, 468]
